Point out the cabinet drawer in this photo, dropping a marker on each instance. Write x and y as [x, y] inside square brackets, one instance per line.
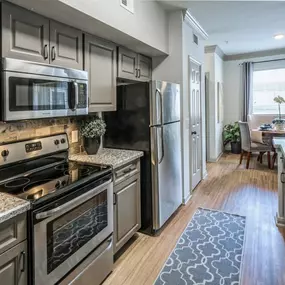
[12, 232]
[126, 171]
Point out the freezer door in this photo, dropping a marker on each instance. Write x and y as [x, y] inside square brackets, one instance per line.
[166, 172]
[165, 103]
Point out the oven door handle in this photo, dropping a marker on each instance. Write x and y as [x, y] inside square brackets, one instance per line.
[73, 203]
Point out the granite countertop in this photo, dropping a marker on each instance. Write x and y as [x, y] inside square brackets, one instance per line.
[11, 206]
[109, 156]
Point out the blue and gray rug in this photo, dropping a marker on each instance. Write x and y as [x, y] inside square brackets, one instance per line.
[209, 252]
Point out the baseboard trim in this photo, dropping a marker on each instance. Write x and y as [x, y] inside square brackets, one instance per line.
[215, 159]
[186, 200]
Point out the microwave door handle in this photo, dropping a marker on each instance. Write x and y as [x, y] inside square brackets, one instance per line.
[73, 203]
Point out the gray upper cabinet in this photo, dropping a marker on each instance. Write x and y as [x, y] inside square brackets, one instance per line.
[13, 265]
[133, 66]
[144, 68]
[127, 210]
[25, 34]
[100, 60]
[127, 64]
[65, 46]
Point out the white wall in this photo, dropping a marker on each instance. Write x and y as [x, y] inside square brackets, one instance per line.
[214, 65]
[233, 87]
[174, 68]
[148, 25]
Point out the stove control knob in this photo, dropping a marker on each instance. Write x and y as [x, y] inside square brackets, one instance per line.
[5, 153]
[56, 142]
[62, 140]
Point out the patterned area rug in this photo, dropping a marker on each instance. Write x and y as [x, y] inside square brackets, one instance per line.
[209, 252]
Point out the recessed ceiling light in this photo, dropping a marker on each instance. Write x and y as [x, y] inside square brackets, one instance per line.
[278, 37]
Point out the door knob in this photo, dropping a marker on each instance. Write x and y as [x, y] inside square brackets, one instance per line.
[194, 133]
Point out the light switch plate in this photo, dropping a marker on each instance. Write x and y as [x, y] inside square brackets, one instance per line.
[74, 136]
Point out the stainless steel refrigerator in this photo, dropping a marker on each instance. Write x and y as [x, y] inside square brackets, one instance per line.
[148, 119]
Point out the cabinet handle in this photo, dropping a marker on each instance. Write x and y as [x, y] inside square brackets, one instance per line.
[46, 52]
[53, 53]
[114, 199]
[139, 73]
[23, 257]
[136, 72]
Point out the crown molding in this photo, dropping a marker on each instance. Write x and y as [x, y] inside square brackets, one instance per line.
[215, 49]
[193, 23]
[248, 55]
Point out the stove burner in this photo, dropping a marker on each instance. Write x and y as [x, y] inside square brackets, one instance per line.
[35, 184]
[61, 167]
[17, 182]
[84, 171]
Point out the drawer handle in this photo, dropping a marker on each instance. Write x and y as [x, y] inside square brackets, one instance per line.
[129, 169]
[23, 257]
[114, 199]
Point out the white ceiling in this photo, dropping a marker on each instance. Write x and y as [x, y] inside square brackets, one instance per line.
[238, 26]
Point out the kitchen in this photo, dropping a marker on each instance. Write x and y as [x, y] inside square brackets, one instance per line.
[53, 187]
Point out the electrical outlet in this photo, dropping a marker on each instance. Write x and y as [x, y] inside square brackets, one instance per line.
[74, 136]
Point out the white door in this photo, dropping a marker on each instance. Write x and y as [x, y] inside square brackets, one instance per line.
[195, 123]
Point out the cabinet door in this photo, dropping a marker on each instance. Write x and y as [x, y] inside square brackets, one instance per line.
[127, 64]
[13, 265]
[144, 68]
[100, 60]
[127, 210]
[65, 46]
[25, 34]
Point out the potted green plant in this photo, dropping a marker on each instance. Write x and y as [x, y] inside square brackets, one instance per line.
[231, 134]
[279, 123]
[92, 130]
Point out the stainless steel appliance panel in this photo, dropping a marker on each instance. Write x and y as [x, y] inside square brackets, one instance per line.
[165, 103]
[95, 268]
[166, 172]
[49, 275]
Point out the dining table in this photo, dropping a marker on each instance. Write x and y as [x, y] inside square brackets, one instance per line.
[266, 136]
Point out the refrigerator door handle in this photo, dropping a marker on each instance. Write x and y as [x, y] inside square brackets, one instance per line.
[162, 145]
[160, 103]
[153, 146]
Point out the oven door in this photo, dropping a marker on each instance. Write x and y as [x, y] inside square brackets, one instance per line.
[67, 233]
[30, 96]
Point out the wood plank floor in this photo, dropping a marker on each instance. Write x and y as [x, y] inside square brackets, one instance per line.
[228, 187]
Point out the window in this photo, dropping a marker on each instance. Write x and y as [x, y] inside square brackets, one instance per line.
[268, 84]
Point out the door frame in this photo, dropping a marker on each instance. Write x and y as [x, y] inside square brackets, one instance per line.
[190, 60]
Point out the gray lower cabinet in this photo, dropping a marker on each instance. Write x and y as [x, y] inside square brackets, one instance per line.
[13, 265]
[127, 210]
[13, 251]
[65, 46]
[133, 66]
[100, 60]
[25, 34]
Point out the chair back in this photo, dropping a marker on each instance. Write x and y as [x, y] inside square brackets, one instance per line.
[245, 136]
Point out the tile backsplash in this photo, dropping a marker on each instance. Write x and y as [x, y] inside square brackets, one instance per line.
[16, 131]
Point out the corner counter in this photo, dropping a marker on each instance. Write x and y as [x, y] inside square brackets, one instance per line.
[11, 206]
[109, 156]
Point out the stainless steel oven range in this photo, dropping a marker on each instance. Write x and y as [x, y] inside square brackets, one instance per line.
[33, 90]
[70, 223]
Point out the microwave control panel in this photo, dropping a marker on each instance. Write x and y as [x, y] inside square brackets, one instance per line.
[33, 146]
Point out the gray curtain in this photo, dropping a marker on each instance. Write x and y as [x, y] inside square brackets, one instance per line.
[247, 73]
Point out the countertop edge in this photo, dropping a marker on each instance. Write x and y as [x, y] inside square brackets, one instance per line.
[15, 211]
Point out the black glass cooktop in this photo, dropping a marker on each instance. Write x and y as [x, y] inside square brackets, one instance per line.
[46, 176]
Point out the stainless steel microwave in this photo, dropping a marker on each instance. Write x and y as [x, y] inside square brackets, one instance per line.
[34, 90]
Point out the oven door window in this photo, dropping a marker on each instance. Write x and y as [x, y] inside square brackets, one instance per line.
[26, 94]
[69, 232]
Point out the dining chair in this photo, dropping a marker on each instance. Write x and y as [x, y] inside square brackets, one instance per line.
[247, 146]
